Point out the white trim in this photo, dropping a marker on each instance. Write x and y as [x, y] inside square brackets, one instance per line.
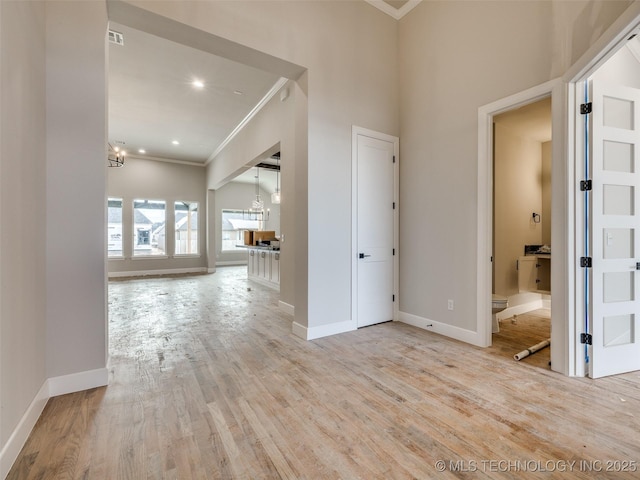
[51, 387]
[230, 263]
[484, 201]
[77, 382]
[264, 281]
[287, 308]
[211, 270]
[457, 333]
[608, 44]
[396, 13]
[166, 271]
[148, 257]
[355, 131]
[261, 104]
[299, 330]
[523, 308]
[166, 160]
[321, 331]
[19, 436]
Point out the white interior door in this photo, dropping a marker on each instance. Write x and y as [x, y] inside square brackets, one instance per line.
[615, 232]
[375, 230]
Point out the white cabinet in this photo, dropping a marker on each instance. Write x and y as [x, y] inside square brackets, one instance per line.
[275, 267]
[534, 274]
[252, 263]
[264, 266]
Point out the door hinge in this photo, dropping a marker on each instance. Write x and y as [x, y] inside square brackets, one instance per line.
[585, 262]
[394, 251]
[586, 338]
[394, 159]
[393, 298]
[586, 108]
[394, 205]
[586, 185]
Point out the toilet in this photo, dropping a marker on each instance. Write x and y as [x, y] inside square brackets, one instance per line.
[498, 304]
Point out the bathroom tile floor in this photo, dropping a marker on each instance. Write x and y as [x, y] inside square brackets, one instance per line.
[521, 333]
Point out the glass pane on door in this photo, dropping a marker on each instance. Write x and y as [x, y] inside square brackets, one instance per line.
[618, 330]
[618, 157]
[618, 287]
[617, 200]
[618, 113]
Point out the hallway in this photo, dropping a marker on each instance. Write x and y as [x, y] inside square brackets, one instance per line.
[208, 382]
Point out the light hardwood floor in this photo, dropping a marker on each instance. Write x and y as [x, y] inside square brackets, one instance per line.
[207, 381]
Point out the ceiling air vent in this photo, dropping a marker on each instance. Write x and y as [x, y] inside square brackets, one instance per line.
[116, 37]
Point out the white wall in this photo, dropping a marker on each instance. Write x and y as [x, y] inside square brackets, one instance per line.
[238, 196]
[76, 189]
[454, 58]
[22, 212]
[148, 179]
[273, 129]
[518, 193]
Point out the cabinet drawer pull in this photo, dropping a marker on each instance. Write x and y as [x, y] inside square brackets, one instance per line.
[277, 256]
[262, 254]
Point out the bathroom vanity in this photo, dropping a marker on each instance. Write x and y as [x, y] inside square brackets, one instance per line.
[534, 273]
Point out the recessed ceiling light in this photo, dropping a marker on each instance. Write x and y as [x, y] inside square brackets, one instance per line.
[175, 142]
[238, 92]
[142, 150]
[197, 84]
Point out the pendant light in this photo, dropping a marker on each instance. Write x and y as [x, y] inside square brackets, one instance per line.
[258, 203]
[275, 196]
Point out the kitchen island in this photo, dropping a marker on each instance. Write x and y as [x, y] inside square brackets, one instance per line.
[263, 265]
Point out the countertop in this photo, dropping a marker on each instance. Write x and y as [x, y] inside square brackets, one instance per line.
[259, 247]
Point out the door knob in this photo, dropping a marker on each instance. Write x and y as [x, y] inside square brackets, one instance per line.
[362, 255]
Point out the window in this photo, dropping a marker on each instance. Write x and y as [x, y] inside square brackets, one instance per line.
[186, 216]
[114, 227]
[234, 223]
[149, 227]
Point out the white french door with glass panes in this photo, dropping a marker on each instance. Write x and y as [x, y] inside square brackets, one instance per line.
[615, 230]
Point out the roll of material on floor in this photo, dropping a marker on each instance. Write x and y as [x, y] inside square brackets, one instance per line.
[532, 350]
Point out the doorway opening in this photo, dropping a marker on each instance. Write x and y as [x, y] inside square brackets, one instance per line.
[606, 95]
[521, 267]
[559, 276]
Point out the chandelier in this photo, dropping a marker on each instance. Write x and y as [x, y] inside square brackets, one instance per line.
[115, 156]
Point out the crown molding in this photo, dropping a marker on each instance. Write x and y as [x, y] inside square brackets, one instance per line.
[161, 159]
[396, 13]
[270, 94]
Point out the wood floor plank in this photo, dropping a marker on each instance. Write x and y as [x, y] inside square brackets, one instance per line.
[207, 382]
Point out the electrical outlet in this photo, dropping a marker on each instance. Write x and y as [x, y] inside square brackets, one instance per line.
[450, 304]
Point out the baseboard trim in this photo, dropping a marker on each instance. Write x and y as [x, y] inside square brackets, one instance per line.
[290, 309]
[211, 270]
[320, 331]
[231, 263]
[523, 308]
[457, 333]
[22, 431]
[76, 382]
[299, 330]
[262, 281]
[166, 271]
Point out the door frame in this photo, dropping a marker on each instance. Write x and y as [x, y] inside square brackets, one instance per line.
[560, 233]
[355, 132]
[607, 45]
